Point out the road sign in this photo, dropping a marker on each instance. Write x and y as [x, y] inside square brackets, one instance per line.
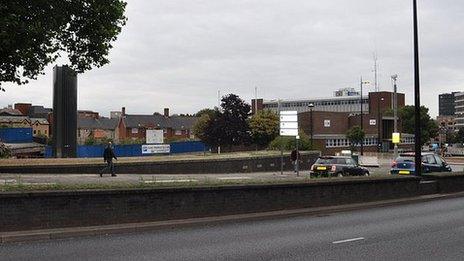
[289, 123]
[395, 138]
[154, 136]
[156, 149]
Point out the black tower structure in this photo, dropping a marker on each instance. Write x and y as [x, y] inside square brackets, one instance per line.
[64, 112]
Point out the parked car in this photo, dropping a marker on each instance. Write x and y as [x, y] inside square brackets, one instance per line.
[337, 166]
[431, 162]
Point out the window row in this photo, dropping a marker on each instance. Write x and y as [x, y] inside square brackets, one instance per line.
[317, 103]
[338, 143]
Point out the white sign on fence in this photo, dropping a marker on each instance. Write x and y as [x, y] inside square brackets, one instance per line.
[289, 123]
[154, 136]
[372, 122]
[156, 149]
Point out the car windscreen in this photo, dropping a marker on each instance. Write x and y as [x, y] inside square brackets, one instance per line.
[324, 161]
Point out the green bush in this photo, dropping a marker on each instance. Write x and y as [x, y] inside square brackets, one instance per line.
[289, 143]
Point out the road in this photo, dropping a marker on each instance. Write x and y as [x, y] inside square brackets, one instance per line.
[423, 231]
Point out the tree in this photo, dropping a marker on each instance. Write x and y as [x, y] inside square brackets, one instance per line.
[34, 33]
[428, 127]
[234, 118]
[264, 127]
[289, 143]
[355, 135]
[207, 111]
[199, 128]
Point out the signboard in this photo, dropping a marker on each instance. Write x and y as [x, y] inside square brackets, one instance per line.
[395, 138]
[154, 136]
[372, 122]
[156, 149]
[289, 123]
[327, 123]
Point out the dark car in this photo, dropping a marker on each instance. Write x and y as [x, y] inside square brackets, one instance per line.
[337, 166]
[431, 162]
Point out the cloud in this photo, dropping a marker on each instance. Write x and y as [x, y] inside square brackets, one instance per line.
[178, 54]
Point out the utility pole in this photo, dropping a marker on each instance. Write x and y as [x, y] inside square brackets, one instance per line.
[281, 145]
[376, 87]
[256, 99]
[395, 112]
[362, 142]
[417, 132]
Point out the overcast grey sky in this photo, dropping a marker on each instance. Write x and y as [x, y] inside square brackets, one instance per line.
[179, 53]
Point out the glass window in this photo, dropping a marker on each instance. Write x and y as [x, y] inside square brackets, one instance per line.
[439, 160]
[431, 159]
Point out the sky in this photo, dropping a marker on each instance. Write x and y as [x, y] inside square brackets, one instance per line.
[180, 53]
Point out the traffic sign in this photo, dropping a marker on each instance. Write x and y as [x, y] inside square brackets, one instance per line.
[289, 123]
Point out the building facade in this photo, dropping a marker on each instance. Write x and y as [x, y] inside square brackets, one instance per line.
[134, 127]
[459, 109]
[446, 106]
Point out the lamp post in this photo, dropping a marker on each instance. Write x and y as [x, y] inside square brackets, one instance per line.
[395, 112]
[311, 106]
[379, 120]
[417, 133]
[361, 94]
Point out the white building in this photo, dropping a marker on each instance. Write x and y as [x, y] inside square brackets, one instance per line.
[459, 109]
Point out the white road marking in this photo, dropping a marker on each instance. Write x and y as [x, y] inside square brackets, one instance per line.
[348, 240]
[234, 178]
[170, 180]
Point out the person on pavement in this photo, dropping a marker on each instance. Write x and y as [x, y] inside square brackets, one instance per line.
[108, 156]
[295, 157]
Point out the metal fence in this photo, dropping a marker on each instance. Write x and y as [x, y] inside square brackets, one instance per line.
[16, 135]
[133, 150]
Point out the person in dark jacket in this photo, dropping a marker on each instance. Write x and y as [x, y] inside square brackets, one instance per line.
[295, 157]
[108, 156]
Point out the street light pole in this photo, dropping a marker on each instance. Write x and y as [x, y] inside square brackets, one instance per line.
[379, 120]
[311, 106]
[417, 133]
[395, 112]
[362, 142]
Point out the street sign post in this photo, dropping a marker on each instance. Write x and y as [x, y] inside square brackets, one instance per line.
[288, 127]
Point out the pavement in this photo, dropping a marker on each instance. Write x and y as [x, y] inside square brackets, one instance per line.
[431, 230]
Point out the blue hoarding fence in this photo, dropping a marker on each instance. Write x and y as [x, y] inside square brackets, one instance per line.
[16, 135]
[133, 150]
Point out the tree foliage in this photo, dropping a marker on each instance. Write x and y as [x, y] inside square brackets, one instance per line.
[289, 143]
[225, 127]
[355, 135]
[33, 34]
[428, 127]
[264, 127]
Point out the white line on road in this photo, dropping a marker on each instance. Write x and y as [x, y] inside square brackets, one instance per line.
[170, 180]
[233, 178]
[348, 240]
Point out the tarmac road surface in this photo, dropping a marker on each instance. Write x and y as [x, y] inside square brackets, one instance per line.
[422, 231]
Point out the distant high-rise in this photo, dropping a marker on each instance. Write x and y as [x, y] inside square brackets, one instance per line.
[446, 104]
[64, 112]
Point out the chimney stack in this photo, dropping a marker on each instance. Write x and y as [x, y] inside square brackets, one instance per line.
[166, 112]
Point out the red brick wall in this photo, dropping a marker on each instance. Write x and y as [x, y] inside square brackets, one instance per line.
[339, 122]
[375, 101]
[23, 107]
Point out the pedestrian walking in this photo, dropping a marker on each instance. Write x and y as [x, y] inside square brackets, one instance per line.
[295, 157]
[108, 156]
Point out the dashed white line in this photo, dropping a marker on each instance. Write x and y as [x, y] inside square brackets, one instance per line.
[348, 240]
[170, 180]
[233, 178]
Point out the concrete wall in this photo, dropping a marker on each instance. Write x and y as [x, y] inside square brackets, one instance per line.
[42, 210]
[239, 165]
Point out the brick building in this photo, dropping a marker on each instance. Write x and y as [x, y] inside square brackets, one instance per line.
[329, 128]
[133, 127]
[96, 128]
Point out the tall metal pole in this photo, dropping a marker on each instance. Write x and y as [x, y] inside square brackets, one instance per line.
[311, 123]
[379, 139]
[362, 142]
[281, 147]
[395, 113]
[417, 133]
